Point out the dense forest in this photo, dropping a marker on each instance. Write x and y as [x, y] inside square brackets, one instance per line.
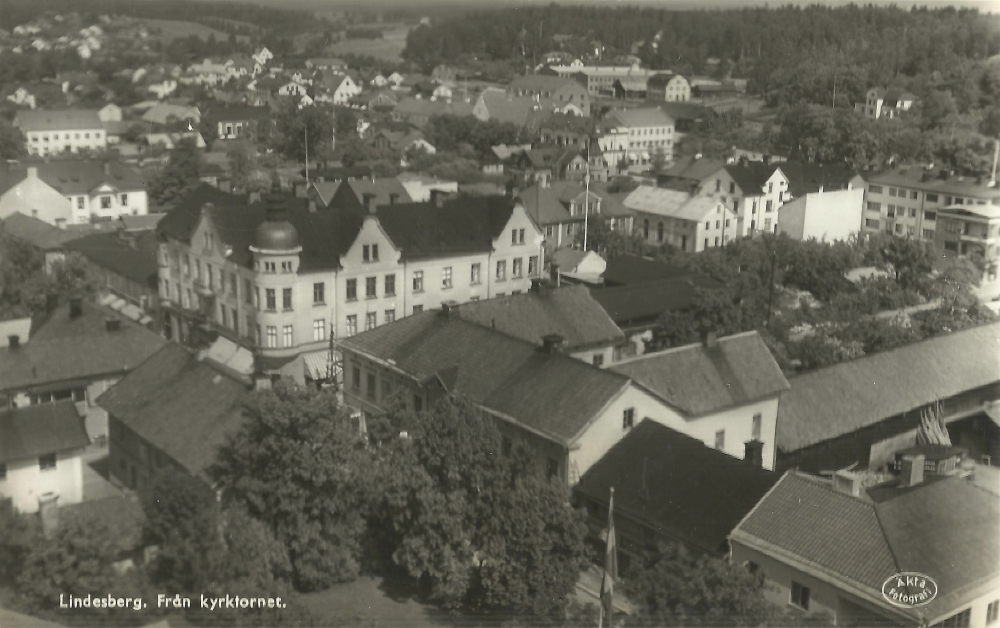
[790, 54]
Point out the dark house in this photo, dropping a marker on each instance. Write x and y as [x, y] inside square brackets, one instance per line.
[670, 487]
[241, 121]
[124, 263]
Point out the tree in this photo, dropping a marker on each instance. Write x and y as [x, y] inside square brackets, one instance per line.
[300, 467]
[180, 174]
[908, 259]
[11, 141]
[244, 169]
[990, 126]
[295, 125]
[610, 243]
[936, 107]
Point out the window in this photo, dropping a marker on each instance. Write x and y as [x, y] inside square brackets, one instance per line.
[370, 389]
[992, 609]
[79, 202]
[446, 277]
[516, 267]
[755, 428]
[732, 187]
[769, 206]
[286, 336]
[105, 202]
[270, 267]
[513, 236]
[124, 199]
[355, 378]
[932, 198]
[371, 285]
[720, 439]
[873, 207]
[390, 316]
[718, 185]
[270, 295]
[249, 327]
[47, 462]
[708, 225]
[390, 285]
[369, 253]
[930, 215]
[418, 281]
[501, 270]
[628, 418]
[890, 211]
[770, 187]
[352, 324]
[319, 292]
[319, 329]
[958, 620]
[418, 403]
[222, 315]
[532, 265]
[286, 267]
[928, 234]
[475, 279]
[892, 192]
[272, 336]
[800, 596]
[352, 289]
[914, 194]
[286, 298]
[598, 359]
[370, 321]
[871, 224]
[551, 468]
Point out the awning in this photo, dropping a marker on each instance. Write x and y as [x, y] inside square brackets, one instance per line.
[145, 320]
[132, 311]
[117, 304]
[107, 299]
[992, 410]
[319, 366]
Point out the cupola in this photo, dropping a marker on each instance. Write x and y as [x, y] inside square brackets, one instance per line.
[276, 234]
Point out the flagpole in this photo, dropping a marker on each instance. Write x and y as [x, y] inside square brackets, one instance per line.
[305, 133]
[610, 568]
[586, 204]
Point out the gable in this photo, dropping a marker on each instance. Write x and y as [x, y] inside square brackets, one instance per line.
[371, 233]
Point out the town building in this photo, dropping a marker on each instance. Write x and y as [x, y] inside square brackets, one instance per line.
[862, 411]
[543, 88]
[74, 353]
[599, 80]
[824, 216]
[336, 88]
[829, 547]
[885, 104]
[418, 111]
[562, 210]
[164, 113]
[577, 266]
[47, 132]
[72, 191]
[46, 238]
[40, 448]
[668, 88]
[295, 273]
[587, 331]
[326, 63]
[669, 488]
[687, 173]
[690, 223]
[123, 264]
[725, 392]
[971, 231]
[524, 112]
[240, 121]
[650, 134]
[420, 186]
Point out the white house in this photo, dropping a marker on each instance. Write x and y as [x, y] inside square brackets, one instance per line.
[885, 104]
[263, 56]
[826, 216]
[40, 458]
[48, 131]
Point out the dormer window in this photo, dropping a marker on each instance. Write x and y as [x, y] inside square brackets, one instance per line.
[369, 253]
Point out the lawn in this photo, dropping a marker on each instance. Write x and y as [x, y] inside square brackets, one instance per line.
[390, 47]
[170, 30]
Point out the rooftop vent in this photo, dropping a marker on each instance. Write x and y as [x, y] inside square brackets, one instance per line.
[552, 343]
[911, 470]
[449, 309]
[847, 482]
[13, 341]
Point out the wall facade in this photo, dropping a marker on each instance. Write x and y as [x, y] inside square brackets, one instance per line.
[26, 481]
[65, 140]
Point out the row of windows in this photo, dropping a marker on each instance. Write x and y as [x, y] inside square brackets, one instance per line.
[930, 197]
[370, 387]
[46, 462]
[371, 319]
[81, 201]
[651, 131]
[55, 136]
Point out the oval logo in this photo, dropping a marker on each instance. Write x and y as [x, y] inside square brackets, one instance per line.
[909, 589]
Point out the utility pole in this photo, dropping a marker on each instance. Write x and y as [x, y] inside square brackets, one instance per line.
[305, 133]
[586, 199]
[835, 90]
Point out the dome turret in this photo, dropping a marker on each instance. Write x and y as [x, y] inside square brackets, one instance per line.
[276, 233]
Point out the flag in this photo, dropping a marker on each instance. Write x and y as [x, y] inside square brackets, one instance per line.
[610, 567]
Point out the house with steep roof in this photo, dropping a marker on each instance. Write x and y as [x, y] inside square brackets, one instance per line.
[861, 411]
[74, 353]
[419, 187]
[48, 132]
[284, 275]
[836, 546]
[577, 266]
[337, 88]
[163, 113]
[174, 411]
[72, 191]
[521, 111]
[724, 391]
[669, 487]
[666, 87]
[560, 90]
[650, 133]
[690, 223]
[884, 104]
[753, 192]
[561, 208]
[588, 332]
[40, 449]
[240, 121]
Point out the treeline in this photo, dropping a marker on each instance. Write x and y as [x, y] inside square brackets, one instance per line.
[789, 53]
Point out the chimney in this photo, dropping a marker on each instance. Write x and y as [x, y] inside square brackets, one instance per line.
[112, 324]
[552, 343]
[710, 339]
[539, 286]
[312, 206]
[393, 197]
[32, 172]
[847, 482]
[554, 274]
[13, 341]
[254, 197]
[753, 452]
[75, 306]
[437, 198]
[106, 167]
[820, 188]
[368, 200]
[48, 512]
[911, 470]
[449, 310]
[943, 174]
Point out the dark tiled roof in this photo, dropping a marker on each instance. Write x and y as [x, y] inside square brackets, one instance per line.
[697, 379]
[58, 119]
[382, 188]
[550, 204]
[687, 111]
[424, 107]
[77, 176]
[464, 224]
[236, 112]
[676, 484]
[806, 178]
[553, 394]
[183, 407]
[752, 177]
[846, 397]
[40, 429]
[570, 312]
[61, 348]
[37, 232]
[944, 528]
[131, 256]
[693, 169]
[628, 269]
[644, 302]
[583, 125]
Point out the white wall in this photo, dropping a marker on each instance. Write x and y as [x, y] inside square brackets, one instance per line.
[25, 482]
[122, 202]
[49, 142]
[34, 197]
